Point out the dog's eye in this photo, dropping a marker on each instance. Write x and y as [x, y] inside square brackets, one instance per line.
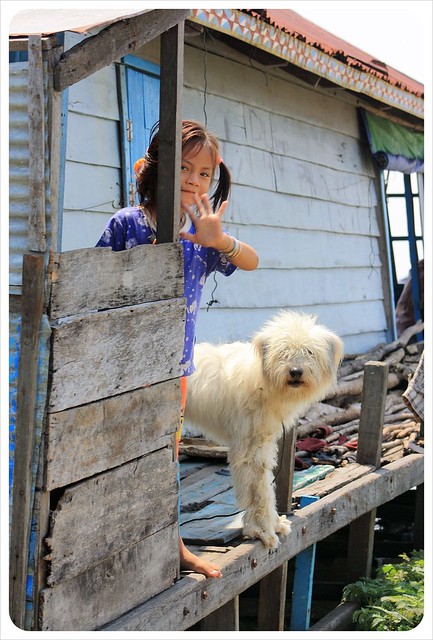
[310, 352]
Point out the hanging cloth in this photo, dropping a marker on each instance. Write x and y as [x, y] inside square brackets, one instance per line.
[393, 146]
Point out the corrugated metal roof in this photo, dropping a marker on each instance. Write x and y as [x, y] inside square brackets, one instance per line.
[48, 21]
[297, 26]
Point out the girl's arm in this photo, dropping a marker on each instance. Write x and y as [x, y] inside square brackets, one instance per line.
[244, 256]
[209, 233]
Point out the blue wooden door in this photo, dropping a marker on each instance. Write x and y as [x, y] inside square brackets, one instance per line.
[140, 111]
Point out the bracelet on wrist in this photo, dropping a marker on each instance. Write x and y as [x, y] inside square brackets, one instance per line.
[227, 248]
[235, 251]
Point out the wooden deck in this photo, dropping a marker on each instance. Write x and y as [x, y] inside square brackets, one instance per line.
[346, 494]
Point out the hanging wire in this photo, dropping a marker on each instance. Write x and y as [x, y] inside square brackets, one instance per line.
[205, 77]
[213, 300]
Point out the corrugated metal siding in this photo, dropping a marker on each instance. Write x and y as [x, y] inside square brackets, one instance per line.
[19, 172]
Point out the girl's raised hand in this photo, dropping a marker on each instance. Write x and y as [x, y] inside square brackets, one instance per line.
[208, 226]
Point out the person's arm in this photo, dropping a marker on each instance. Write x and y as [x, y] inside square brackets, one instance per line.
[246, 257]
[209, 233]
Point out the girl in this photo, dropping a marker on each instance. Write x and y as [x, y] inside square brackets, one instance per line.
[207, 247]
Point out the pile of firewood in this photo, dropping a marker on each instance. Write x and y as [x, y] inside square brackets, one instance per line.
[341, 410]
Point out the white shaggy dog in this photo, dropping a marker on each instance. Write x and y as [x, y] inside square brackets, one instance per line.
[242, 392]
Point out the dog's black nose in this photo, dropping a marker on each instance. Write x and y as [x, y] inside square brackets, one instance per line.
[296, 373]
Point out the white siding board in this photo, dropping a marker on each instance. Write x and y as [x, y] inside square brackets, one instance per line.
[349, 321]
[300, 249]
[274, 91]
[93, 163]
[102, 140]
[92, 195]
[250, 206]
[294, 287]
[82, 230]
[225, 117]
[313, 181]
[96, 94]
[305, 141]
[269, 171]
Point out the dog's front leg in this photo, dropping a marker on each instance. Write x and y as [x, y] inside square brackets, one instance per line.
[252, 477]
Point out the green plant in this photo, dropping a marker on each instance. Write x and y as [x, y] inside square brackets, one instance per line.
[394, 599]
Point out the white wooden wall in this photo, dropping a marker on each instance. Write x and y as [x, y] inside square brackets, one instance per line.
[92, 167]
[304, 194]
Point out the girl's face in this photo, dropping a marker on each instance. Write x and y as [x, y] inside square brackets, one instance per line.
[196, 175]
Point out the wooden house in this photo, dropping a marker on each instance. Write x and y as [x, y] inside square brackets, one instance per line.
[96, 337]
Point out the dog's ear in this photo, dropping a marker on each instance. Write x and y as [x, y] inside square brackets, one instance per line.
[336, 349]
[258, 343]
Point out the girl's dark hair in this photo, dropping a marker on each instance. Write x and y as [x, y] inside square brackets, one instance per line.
[194, 137]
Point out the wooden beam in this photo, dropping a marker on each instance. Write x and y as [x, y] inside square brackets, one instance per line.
[273, 587]
[113, 42]
[32, 309]
[36, 111]
[184, 604]
[170, 125]
[361, 532]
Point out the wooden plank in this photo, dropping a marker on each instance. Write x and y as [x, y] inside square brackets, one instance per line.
[106, 591]
[371, 420]
[183, 605]
[336, 479]
[99, 517]
[112, 43]
[141, 345]
[199, 473]
[170, 127]
[98, 278]
[54, 124]
[32, 301]
[218, 522]
[36, 112]
[272, 598]
[94, 437]
[195, 495]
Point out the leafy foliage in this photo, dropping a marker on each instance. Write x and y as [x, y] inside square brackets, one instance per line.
[394, 599]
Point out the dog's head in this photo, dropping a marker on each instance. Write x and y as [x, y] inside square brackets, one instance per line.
[298, 355]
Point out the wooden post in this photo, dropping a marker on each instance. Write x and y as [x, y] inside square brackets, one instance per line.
[272, 597]
[361, 532]
[36, 110]
[170, 124]
[226, 618]
[32, 309]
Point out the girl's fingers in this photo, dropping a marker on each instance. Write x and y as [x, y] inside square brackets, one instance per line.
[222, 208]
[187, 236]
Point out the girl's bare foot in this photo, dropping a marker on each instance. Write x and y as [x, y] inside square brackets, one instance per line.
[191, 562]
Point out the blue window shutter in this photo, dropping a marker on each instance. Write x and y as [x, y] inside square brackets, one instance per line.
[139, 91]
